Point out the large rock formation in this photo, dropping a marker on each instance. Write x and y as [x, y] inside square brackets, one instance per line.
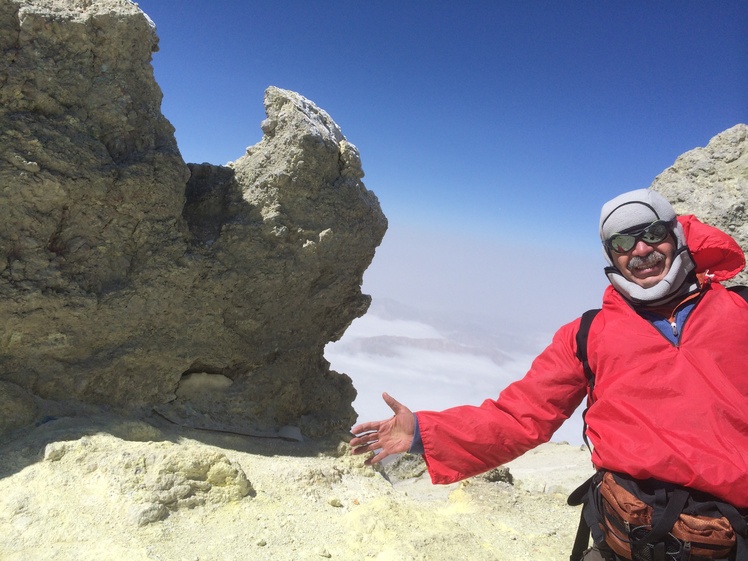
[131, 280]
[712, 183]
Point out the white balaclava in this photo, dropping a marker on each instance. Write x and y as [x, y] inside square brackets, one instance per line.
[638, 209]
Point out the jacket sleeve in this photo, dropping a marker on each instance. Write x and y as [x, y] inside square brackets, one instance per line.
[467, 440]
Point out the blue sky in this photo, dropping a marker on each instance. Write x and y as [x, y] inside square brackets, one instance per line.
[491, 131]
[479, 115]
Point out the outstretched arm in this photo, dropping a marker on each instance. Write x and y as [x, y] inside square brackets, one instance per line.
[390, 436]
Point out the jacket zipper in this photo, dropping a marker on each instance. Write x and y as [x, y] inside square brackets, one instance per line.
[672, 319]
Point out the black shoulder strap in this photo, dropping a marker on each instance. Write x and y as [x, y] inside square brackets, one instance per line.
[739, 290]
[582, 335]
[582, 538]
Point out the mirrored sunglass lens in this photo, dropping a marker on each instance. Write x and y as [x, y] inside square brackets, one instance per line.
[621, 243]
[655, 233]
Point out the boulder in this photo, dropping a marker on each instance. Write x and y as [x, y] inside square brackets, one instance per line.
[134, 281]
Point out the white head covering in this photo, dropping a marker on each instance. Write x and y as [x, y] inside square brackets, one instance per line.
[635, 210]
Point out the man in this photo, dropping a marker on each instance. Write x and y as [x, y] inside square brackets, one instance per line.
[669, 353]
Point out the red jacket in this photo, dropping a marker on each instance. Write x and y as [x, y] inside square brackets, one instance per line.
[674, 413]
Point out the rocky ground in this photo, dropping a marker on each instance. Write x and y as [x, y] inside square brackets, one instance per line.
[104, 488]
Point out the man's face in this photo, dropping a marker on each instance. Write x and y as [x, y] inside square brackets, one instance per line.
[646, 264]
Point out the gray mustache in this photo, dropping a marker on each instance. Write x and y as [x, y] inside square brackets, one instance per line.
[637, 262]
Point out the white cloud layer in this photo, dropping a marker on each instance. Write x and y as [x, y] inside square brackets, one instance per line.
[424, 373]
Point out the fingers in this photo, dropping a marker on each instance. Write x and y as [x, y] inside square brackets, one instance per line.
[364, 449]
[365, 444]
[386, 437]
[364, 440]
[393, 404]
[370, 426]
[376, 458]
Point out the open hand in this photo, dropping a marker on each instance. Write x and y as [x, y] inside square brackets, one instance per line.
[390, 436]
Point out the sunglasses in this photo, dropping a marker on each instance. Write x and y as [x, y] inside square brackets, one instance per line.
[656, 232]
